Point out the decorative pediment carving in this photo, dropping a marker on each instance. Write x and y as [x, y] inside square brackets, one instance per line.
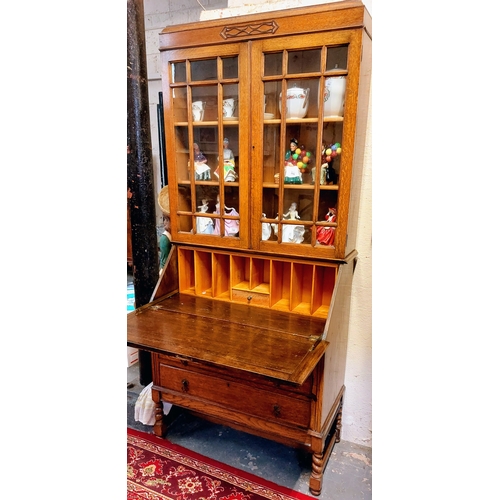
[266, 28]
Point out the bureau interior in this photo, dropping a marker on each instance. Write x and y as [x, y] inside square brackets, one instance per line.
[285, 285]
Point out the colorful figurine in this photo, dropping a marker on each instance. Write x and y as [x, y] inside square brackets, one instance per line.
[327, 156]
[229, 163]
[231, 226]
[327, 172]
[303, 158]
[324, 234]
[293, 174]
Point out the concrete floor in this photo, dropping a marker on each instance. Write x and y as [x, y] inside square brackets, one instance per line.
[348, 474]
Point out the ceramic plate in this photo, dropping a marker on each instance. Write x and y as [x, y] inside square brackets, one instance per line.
[268, 116]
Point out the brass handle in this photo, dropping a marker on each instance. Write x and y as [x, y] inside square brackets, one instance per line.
[277, 411]
[185, 385]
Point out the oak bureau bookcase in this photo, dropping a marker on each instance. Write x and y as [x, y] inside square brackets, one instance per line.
[265, 121]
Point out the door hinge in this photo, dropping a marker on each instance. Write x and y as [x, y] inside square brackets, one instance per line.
[316, 340]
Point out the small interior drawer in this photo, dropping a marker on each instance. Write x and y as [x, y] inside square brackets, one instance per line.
[251, 298]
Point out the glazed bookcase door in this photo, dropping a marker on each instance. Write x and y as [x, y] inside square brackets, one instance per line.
[206, 101]
[306, 88]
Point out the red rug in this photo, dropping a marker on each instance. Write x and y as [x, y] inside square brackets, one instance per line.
[159, 470]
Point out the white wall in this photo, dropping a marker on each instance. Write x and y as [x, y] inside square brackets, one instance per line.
[357, 413]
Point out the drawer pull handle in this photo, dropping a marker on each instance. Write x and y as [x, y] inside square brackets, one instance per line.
[277, 411]
[185, 385]
[249, 298]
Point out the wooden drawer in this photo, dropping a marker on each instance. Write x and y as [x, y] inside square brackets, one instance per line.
[236, 395]
[256, 299]
[247, 378]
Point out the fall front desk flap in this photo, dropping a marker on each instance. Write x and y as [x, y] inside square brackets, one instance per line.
[257, 340]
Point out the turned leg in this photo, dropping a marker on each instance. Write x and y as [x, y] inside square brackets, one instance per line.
[316, 479]
[160, 427]
[320, 459]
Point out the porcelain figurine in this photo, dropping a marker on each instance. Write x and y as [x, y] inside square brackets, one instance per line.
[229, 164]
[266, 229]
[292, 233]
[326, 235]
[323, 172]
[293, 175]
[328, 154]
[202, 170]
[204, 225]
[231, 226]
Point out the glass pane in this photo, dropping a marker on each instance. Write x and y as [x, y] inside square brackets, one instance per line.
[230, 67]
[270, 100]
[178, 72]
[300, 154]
[304, 61]
[180, 104]
[336, 58]
[232, 209]
[297, 207]
[333, 98]
[205, 152]
[325, 231]
[185, 223]
[230, 102]
[272, 160]
[204, 70]
[331, 153]
[273, 64]
[301, 99]
[182, 154]
[270, 208]
[204, 103]
[229, 163]
[228, 223]
[206, 197]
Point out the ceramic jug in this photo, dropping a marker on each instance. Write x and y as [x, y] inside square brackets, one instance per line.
[198, 108]
[333, 102]
[297, 102]
[228, 107]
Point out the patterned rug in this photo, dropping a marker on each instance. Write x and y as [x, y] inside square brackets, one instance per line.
[160, 470]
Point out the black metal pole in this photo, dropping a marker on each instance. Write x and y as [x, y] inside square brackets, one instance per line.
[140, 177]
[161, 141]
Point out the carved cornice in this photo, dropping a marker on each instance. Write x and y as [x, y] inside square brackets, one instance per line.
[267, 28]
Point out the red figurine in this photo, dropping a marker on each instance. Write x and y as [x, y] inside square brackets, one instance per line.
[325, 235]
